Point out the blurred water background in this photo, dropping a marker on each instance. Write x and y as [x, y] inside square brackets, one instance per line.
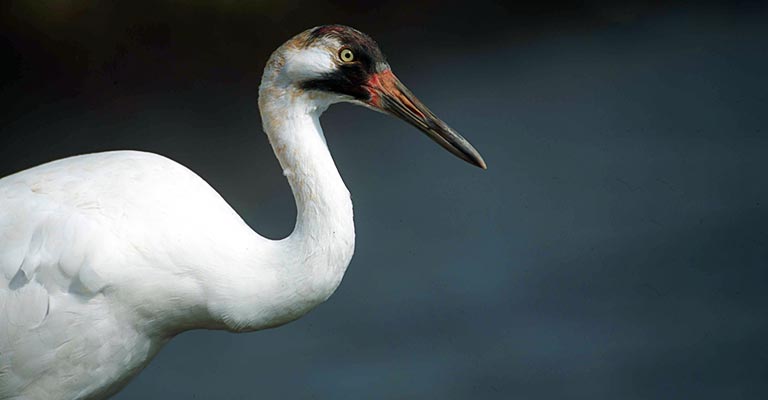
[616, 248]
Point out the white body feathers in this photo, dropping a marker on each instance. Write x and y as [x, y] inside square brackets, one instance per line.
[105, 257]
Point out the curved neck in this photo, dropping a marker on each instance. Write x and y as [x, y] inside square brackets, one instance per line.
[308, 265]
[278, 281]
[323, 203]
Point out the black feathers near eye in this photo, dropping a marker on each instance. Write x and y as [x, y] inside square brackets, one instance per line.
[360, 58]
[349, 79]
[360, 44]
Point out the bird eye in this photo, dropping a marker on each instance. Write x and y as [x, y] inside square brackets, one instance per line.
[346, 55]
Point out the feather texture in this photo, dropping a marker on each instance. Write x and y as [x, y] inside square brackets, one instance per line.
[105, 257]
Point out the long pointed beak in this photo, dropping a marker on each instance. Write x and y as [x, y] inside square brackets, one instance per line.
[388, 94]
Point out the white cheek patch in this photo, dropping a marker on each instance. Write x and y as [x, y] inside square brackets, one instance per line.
[308, 63]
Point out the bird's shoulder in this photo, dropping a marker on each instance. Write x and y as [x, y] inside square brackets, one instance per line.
[116, 184]
[74, 230]
[77, 223]
[97, 175]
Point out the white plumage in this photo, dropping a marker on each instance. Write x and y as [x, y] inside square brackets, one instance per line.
[105, 257]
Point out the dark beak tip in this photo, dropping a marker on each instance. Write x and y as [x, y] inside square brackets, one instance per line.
[478, 161]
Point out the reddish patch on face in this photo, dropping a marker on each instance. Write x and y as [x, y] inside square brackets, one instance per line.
[386, 84]
[374, 89]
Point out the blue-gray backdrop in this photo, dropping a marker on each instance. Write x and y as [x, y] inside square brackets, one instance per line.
[616, 248]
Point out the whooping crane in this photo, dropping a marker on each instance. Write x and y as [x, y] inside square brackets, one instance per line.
[105, 257]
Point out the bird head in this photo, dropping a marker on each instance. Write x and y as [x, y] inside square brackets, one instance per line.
[340, 63]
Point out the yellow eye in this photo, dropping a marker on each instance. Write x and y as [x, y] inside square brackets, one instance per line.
[346, 55]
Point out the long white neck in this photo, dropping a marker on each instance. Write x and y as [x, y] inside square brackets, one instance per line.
[279, 281]
[322, 241]
[324, 207]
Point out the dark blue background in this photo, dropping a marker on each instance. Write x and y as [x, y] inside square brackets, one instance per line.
[616, 248]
